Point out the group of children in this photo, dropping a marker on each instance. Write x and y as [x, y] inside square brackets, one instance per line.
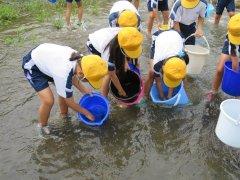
[113, 48]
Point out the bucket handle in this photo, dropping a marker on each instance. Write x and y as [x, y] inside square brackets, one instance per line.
[204, 38]
[177, 101]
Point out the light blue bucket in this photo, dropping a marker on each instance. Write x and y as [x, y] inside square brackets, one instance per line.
[210, 10]
[179, 97]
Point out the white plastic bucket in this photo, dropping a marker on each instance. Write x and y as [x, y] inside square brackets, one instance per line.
[197, 57]
[228, 125]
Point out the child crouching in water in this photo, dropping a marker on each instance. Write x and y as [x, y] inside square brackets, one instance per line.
[168, 62]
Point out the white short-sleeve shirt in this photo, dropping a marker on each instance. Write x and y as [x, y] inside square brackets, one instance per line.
[53, 60]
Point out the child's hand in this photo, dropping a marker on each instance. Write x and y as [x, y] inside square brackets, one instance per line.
[88, 91]
[89, 116]
[199, 33]
[122, 93]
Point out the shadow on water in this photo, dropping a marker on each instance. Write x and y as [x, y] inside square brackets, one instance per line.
[141, 142]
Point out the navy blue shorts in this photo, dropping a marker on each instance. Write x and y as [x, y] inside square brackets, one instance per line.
[36, 78]
[228, 4]
[162, 6]
[70, 1]
[187, 30]
[225, 49]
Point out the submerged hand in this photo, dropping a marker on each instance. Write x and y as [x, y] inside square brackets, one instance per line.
[122, 93]
[199, 33]
[89, 116]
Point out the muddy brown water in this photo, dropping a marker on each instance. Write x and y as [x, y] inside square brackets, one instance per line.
[141, 142]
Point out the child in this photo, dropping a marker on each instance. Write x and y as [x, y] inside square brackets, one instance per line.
[65, 67]
[167, 58]
[230, 51]
[153, 7]
[124, 14]
[69, 11]
[118, 46]
[221, 4]
[188, 17]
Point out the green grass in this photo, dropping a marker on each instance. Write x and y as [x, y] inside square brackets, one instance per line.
[17, 38]
[8, 14]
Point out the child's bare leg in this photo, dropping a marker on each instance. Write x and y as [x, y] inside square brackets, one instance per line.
[165, 15]
[47, 101]
[80, 10]
[63, 107]
[151, 18]
[68, 13]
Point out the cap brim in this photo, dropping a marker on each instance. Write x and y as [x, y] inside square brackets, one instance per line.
[170, 83]
[95, 84]
[189, 5]
[233, 39]
[134, 54]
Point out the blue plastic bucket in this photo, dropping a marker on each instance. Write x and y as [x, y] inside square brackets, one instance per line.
[96, 104]
[231, 80]
[179, 96]
[52, 1]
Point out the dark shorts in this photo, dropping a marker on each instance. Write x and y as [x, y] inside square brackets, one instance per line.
[225, 49]
[187, 30]
[70, 1]
[36, 78]
[162, 6]
[228, 4]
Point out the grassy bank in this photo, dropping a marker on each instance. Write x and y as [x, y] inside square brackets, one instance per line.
[40, 10]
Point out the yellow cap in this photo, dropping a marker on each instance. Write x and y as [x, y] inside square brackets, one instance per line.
[189, 4]
[94, 69]
[234, 29]
[174, 71]
[164, 27]
[130, 40]
[127, 18]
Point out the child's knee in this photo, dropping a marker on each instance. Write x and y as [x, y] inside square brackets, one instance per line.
[152, 15]
[48, 102]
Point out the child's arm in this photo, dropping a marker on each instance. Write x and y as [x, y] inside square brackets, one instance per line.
[159, 87]
[76, 82]
[70, 103]
[170, 93]
[176, 26]
[116, 83]
[199, 31]
[234, 63]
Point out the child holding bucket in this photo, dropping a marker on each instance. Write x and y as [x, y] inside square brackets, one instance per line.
[118, 46]
[124, 14]
[230, 51]
[153, 7]
[188, 18]
[168, 62]
[64, 67]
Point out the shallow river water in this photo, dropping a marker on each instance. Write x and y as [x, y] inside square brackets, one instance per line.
[141, 142]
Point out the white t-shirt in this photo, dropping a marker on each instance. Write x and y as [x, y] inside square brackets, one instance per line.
[120, 6]
[53, 60]
[188, 16]
[101, 38]
[167, 44]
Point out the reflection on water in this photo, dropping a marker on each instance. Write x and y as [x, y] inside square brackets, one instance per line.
[142, 142]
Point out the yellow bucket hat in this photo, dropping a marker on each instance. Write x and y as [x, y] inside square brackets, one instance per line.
[174, 70]
[234, 29]
[130, 40]
[189, 4]
[94, 69]
[127, 18]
